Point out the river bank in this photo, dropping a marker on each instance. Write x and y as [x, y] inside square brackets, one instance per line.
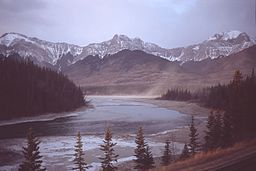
[184, 107]
[160, 121]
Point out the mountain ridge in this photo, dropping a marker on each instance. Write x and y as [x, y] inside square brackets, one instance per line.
[220, 44]
[136, 72]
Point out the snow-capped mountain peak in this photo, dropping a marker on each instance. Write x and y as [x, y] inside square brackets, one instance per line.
[8, 38]
[231, 35]
[40, 50]
[225, 36]
[64, 54]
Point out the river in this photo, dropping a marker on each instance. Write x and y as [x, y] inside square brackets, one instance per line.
[121, 114]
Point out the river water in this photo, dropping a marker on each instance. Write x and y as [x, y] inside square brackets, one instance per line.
[57, 136]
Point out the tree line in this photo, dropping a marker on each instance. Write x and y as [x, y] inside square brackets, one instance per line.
[27, 89]
[144, 159]
[233, 106]
[234, 115]
[177, 94]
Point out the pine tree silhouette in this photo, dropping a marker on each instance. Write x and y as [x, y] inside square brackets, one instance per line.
[166, 159]
[209, 141]
[79, 160]
[31, 154]
[214, 133]
[144, 158]
[148, 160]
[108, 148]
[140, 150]
[193, 144]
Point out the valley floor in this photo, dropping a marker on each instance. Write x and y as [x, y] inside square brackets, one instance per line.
[130, 112]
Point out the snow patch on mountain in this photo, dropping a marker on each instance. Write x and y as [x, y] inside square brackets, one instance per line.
[221, 44]
[43, 51]
[225, 35]
[231, 35]
[8, 38]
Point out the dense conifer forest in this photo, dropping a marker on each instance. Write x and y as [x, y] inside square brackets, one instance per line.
[177, 94]
[27, 89]
[233, 105]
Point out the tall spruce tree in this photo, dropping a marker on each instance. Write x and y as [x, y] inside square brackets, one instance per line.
[109, 155]
[209, 140]
[235, 107]
[31, 154]
[148, 160]
[140, 150]
[214, 133]
[166, 159]
[193, 143]
[218, 124]
[79, 160]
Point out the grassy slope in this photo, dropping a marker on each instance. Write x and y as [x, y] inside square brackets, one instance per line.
[215, 160]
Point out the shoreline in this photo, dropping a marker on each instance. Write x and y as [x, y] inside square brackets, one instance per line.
[43, 117]
[125, 148]
[180, 134]
[184, 107]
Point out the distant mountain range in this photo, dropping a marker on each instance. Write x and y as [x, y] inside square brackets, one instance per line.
[61, 55]
[137, 72]
[131, 66]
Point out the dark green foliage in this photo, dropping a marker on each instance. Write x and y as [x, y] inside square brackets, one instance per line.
[228, 130]
[79, 161]
[166, 159]
[214, 133]
[140, 149]
[193, 135]
[26, 89]
[185, 153]
[209, 137]
[144, 159]
[177, 94]
[32, 161]
[109, 156]
[237, 99]
[148, 160]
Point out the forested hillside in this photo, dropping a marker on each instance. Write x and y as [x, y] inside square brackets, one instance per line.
[26, 89]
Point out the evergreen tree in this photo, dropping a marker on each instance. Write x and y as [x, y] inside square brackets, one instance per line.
[32, 155]
[148, 160]
[166, 159]
[237, 79]
[193, 144]
[27, 89]
[185, 153]
[218, 130]
[227, 131]
[140, 150]
[214, 133]
[79, 160]
[108, 148]
[209, 137]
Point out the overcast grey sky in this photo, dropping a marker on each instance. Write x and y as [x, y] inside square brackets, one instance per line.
[168, 23]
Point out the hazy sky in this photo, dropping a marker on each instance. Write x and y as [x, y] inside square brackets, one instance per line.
[168, 23]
